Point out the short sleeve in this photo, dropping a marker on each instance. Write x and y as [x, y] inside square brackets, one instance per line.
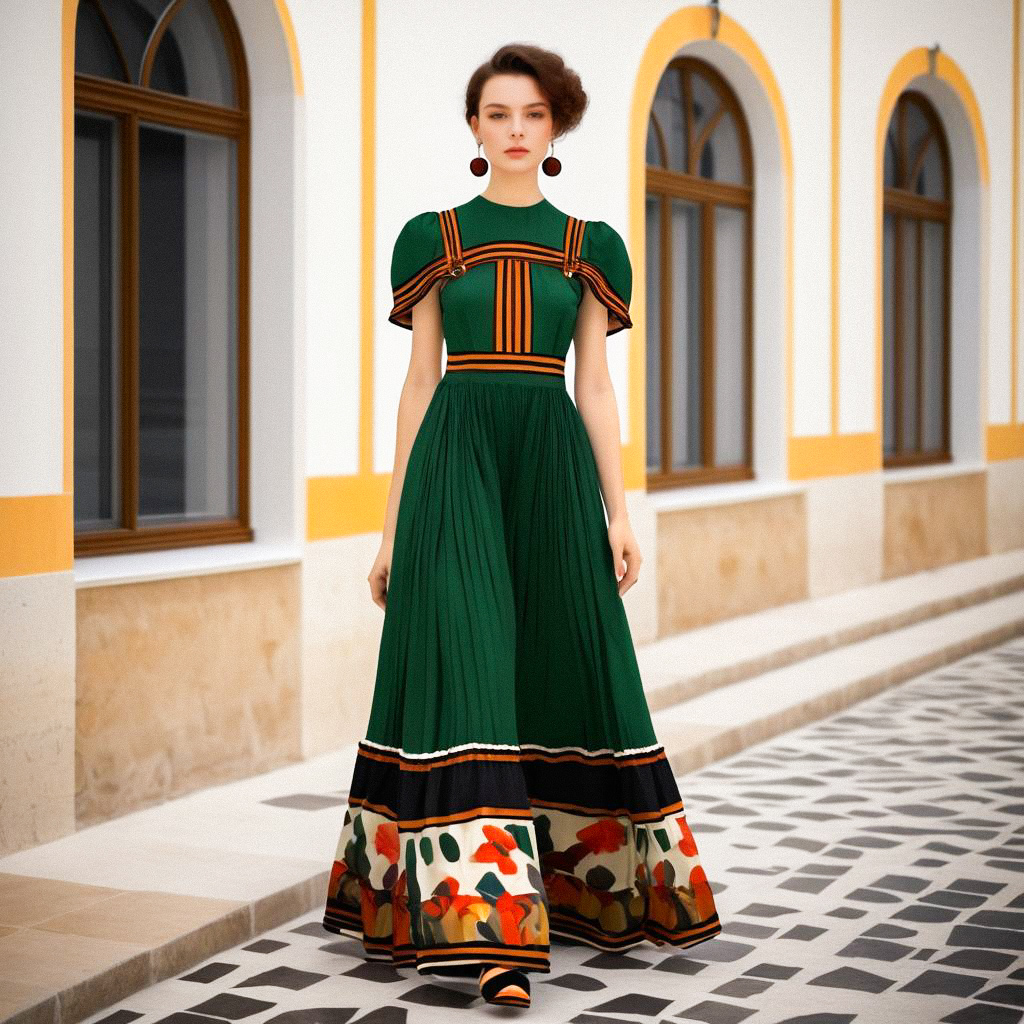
[608, 272]
[417, 261]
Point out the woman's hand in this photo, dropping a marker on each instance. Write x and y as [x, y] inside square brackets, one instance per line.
[624, 549]
[380, 574]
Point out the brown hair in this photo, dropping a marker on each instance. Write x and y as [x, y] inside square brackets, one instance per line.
[560, 85]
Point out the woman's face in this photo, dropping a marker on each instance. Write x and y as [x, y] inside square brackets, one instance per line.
[514, 124]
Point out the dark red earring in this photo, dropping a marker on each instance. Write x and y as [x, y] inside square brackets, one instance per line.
[551, 165]
[478, 165]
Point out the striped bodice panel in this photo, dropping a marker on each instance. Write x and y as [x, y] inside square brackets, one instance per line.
[519, 318]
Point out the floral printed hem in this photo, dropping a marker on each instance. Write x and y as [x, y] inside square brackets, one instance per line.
[483, 882]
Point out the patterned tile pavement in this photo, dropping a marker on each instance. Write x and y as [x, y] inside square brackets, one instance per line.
[868, 868]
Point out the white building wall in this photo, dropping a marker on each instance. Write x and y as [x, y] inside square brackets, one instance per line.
[31, 235]
[422, 149]
[329, 40]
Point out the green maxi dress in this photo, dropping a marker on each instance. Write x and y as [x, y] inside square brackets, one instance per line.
[510, 785]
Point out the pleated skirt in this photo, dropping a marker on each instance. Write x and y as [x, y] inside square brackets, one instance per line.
[509, 786]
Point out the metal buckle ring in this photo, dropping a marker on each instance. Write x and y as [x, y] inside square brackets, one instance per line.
[458, 269]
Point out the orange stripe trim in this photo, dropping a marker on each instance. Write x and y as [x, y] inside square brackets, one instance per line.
[573, 245]
[412, 766]
[524, 755]
[519, 328]
[452, 240]
[409, 293]
[516, 813]
[644, 816]
[499, 272]
[491, 251]
[512, 359]
[527, 306]
[519, 366]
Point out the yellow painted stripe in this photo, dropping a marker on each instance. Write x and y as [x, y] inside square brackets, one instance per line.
[344, 506]
[292, 42]
[36, 534]
[1004, 441]
[834, 455]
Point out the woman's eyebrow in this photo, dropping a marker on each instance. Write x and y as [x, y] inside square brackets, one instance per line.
[536, 103]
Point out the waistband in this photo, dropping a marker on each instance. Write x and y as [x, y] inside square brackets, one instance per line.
[505, 362]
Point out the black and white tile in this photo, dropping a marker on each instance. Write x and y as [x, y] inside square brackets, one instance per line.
[868, 868]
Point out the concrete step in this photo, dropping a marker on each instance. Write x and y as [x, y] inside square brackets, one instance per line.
[730, 718]
[686, 665]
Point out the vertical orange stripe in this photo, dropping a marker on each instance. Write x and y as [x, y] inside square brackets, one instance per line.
[513, 302]
[505, 305]
[497, 304]
[510, 306]
[528, 308]
[517, 320]
[444, 236]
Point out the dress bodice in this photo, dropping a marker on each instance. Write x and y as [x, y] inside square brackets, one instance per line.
[512, 277]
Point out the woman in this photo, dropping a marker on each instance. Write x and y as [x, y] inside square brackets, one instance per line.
[510, 786]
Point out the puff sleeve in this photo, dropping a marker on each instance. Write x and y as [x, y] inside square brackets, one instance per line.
[417, 261]
[608, 271]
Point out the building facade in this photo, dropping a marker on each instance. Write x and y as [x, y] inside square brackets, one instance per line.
[823, 386]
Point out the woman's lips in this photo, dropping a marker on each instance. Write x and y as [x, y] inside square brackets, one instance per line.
[516, 151]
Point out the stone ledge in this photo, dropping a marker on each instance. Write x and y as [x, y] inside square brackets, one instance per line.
[727, 720]
[793, 632]
[86, 990]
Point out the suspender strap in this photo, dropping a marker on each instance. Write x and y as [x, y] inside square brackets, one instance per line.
[452, 242]
[572, 245]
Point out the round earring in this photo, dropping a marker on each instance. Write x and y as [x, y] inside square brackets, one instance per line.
[551, 165]
[478, 165]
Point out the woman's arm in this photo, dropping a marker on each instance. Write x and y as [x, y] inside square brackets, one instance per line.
[420, 382]
[595, 400]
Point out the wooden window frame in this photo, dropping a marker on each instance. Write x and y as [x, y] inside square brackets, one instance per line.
[665, 185]
[130, 104]
[902, 202]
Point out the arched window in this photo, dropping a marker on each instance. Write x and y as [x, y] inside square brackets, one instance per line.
[161, 276]
[917, 209]
[699, 280]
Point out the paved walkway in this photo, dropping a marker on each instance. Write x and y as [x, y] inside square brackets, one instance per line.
[868, 868]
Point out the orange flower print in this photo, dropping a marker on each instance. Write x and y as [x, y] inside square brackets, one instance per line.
[386, 841]
[605, 836]
[702, 894]
[562, 890]
[686, 844]
[511, 911]
[400, 912]
[446, 892]
[497, 850]
[338, 868]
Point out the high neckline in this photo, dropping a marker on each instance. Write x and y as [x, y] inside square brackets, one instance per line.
[509, 206]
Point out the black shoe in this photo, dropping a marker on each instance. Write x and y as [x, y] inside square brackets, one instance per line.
[504, 986]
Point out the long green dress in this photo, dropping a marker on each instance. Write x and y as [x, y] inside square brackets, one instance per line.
[510, 785]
